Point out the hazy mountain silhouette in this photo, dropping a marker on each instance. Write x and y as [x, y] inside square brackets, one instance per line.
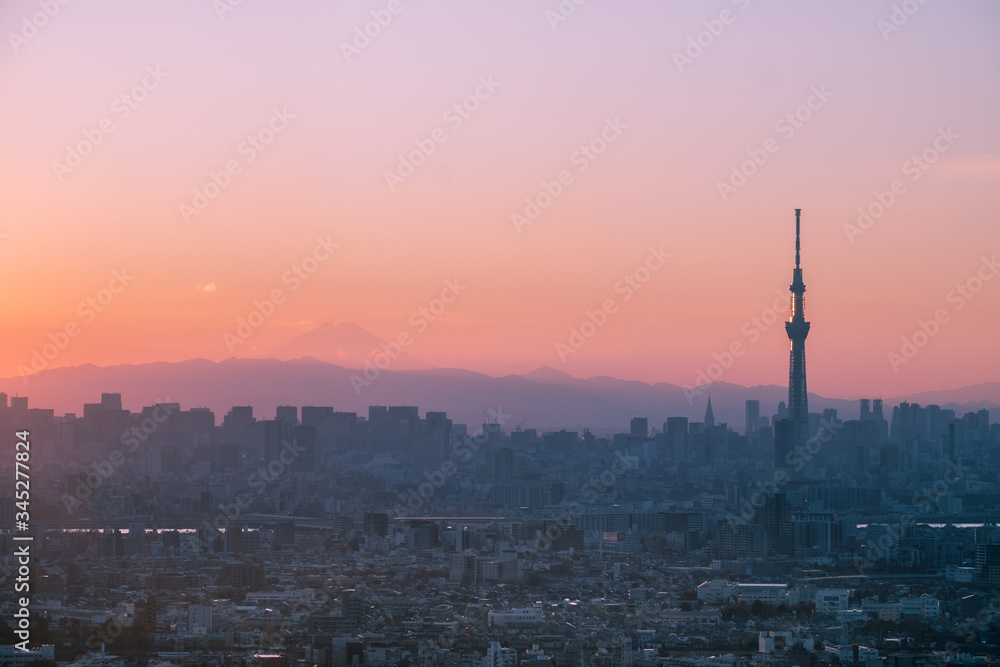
[545, 398]
[343, 344]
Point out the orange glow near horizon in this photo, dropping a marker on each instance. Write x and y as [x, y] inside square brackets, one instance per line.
[261, 108]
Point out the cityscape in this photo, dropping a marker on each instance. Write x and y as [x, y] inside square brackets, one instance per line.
[455, 334]
[392, 538]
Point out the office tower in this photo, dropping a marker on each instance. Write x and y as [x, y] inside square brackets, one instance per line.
[866, 412]
[503, 465]
[111, 401]
[19, 406]
[305, 449]
[752, 423]
[287, 413]
[775, 517]
[783, 446]
[146, 615]
[375, 524]
[677, 437]
[877, 409]
[797, 329]
[497, 656]
[352, 608]
[639, 427]
[709, 416]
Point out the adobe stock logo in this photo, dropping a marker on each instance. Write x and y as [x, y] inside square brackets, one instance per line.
[294, 276]
[420, 320]
[31, 25]
[627, 287]
[88, 309]
[714, 27]
[915, 168]
[582, 159]
[958, 297]
[454, 116]
[363, 35]
[121, 108]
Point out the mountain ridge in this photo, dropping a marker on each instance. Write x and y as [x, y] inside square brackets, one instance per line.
[546, 400]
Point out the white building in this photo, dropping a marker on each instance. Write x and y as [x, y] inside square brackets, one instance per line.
[885, 611]
[846, 654]
[497, 656]
[773, 594]
[274, 597]
[832, 600]
[11, 655]
[199, 619]
[716, 591]
[770, 640]
[527, 616]
[924, 606]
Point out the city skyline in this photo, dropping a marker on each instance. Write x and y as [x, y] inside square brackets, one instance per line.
[828, 135]
[394, 333]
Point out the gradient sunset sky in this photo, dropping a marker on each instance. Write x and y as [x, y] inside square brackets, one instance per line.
[888, 95]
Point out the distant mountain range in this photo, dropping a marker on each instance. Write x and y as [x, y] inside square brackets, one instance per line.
[544, 399]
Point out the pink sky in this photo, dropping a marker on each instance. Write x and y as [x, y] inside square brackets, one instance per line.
[888, 96]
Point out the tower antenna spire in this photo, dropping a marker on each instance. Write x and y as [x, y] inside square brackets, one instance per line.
[798, 212]
[797, 329]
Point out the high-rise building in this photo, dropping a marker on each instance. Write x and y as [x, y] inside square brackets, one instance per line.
[287, 413]
[775, 517]
[352, 607]
[146, 615]
[111, 401]
[639, 428]
[752, 422]
[375, 524]
[498, 656]
[19, 406]
[677, 437]
[797, 329]
[503, 465]
[783, 446]
[199, 618]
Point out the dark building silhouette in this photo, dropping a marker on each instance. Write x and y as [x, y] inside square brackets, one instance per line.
[782, 442]
[503, 466]
[677, 437]
[797, 329]
[375, 524]
[287, 413]
[775, 518]
[146, 614]
[752, 424]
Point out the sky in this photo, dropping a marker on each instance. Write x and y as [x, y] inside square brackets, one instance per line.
[521, 170]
